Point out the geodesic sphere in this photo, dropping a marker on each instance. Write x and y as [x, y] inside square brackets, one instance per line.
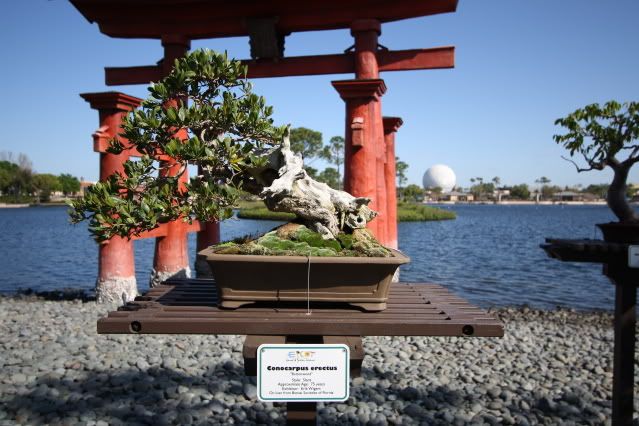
[441, 176]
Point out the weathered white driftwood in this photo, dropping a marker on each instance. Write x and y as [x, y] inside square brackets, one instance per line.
[320, 207]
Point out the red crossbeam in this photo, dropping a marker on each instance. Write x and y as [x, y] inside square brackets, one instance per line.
[203, 19]
[389, 60]
[161, 230]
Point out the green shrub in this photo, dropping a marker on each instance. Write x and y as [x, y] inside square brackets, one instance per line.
[406, 212]
[16, 199]
[262, 213]
[413, 212]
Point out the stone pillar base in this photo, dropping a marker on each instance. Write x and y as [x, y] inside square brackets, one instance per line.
[158, 277]
[118, 290]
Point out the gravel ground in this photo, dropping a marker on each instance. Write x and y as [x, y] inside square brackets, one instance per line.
[550, 368]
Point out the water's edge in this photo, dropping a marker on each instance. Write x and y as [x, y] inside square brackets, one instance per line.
[489, 255]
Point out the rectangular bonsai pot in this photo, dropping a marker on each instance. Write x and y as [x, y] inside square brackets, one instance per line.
[361, 281]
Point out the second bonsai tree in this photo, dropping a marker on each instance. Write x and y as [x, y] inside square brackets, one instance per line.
[606, 136]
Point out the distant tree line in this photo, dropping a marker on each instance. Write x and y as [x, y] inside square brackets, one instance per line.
[310, 144]
[19, 183]
[483, 190]
[542, 190]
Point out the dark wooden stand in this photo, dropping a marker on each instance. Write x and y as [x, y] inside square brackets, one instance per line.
[614, 257]
[190, 307]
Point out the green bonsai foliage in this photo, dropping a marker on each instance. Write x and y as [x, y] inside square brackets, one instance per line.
[226, 128]
[294, 239]
[606, 136]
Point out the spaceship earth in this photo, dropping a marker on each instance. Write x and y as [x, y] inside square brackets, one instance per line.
[441, 176]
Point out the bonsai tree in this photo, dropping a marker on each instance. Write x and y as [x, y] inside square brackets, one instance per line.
[606, 136]
[204, 113]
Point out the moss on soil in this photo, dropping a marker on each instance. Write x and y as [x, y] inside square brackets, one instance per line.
[293, 239]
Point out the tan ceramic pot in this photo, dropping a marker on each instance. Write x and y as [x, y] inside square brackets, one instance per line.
[360, 281]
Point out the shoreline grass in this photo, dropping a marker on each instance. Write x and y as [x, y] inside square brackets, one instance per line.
[414, 212]
[406, 212]
[262, 213]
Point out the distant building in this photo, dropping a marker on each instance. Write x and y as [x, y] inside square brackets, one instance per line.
[573, 196]
[83, 187]
[455, 196]
[500, 193]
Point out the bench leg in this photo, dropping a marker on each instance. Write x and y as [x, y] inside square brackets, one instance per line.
[301, 413]
[624, 359]
[354, 343]
[249, 350]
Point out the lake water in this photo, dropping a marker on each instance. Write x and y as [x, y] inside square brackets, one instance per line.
[490, 254]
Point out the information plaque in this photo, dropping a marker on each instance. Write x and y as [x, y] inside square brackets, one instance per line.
[633, 256]
[312, 372]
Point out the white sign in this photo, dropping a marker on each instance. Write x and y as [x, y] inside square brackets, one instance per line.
[633, 256]
[310, 372]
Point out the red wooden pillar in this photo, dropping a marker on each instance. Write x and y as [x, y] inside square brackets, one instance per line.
[391, 125]
[116, 263]
[364, 148]
[171, 257]
[360, 149]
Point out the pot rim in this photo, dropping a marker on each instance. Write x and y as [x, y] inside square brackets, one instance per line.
[398, 258]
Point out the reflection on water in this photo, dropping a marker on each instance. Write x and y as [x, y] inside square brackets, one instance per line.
[489, 254]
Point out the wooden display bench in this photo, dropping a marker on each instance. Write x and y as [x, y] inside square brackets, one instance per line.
[189, 306]
[614, 258]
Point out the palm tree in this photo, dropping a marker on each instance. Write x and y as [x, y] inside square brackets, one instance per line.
[541, 182]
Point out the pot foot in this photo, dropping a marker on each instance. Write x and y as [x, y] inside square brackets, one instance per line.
[234, 304]
[370, 307]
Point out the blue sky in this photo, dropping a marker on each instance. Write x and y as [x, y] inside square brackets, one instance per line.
[519, 66]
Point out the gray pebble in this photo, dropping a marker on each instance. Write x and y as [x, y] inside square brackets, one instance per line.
[546, 405]
[169, 363]
[414, 410]
[239, 415]
[250, 391]
[448, 417]
[18, 378]
[142, 364]
[409, 393]
[185, 418]
[358, 381]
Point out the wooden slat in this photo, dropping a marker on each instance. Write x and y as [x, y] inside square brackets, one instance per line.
[296, 327]
[189, 307]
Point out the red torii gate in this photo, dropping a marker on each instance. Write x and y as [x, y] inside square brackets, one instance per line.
[369, 149]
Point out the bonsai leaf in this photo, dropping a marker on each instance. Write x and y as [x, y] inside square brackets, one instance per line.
[202, 113]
